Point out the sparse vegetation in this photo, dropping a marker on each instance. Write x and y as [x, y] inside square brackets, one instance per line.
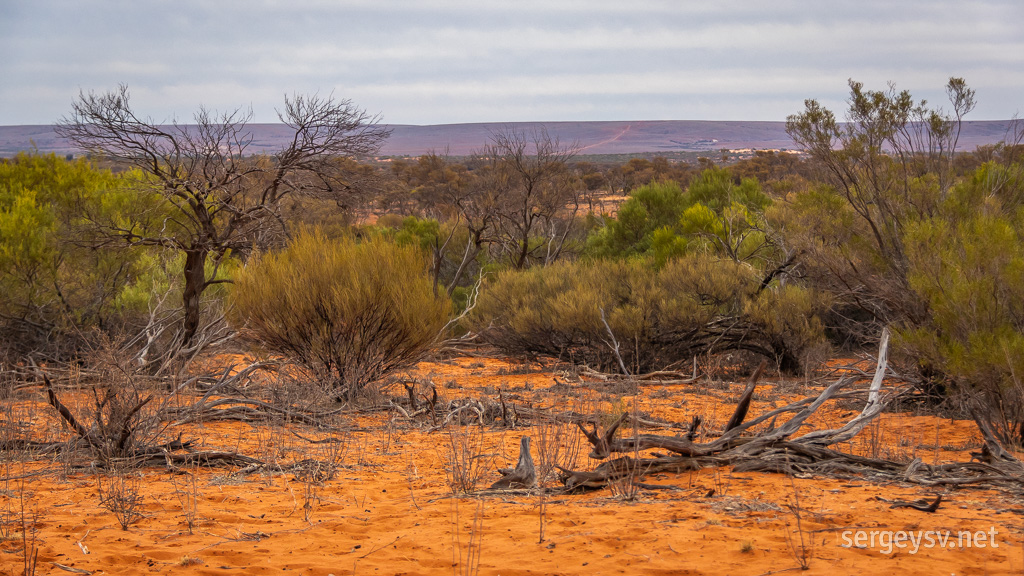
[103, 377]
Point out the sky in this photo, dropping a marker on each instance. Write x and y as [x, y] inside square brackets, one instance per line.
[454, 61]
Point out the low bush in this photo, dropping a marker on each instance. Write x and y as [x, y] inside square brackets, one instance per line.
[967, 264]
[348, 312]
[696, 304]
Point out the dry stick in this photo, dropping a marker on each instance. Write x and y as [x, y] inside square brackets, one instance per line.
[744, 404]
[245, 409]
[923, 507]
[603, 442]
[381, 547]
[872, 409]
[614, 344]
[65, 414]
[665, 377]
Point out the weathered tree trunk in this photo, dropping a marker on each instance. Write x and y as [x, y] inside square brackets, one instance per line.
[524, 475]
[195, 284]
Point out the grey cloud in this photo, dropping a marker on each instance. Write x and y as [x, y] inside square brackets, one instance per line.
[438, 61]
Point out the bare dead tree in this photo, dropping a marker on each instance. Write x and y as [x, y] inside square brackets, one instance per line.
[201, 192]
[459, 200]
[536, 197]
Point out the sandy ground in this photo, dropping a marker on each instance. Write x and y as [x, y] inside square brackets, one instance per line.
[390, 510]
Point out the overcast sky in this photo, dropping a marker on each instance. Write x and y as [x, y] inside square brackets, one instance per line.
[449, 61]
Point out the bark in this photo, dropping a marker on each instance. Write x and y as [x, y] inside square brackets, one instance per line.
[195, 284]
[524, 475]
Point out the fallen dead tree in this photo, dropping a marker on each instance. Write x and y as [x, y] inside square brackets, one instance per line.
[125, 426]
[774, 449]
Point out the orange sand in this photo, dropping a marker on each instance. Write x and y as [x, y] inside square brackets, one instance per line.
[389, 511]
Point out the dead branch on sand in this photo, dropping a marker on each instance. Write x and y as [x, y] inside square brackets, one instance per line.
[775, 450]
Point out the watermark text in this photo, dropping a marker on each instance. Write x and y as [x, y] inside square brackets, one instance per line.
[886, 541]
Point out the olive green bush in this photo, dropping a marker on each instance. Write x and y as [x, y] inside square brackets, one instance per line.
[348, 312]
[696, 304]
[60, 277]
[967, 264]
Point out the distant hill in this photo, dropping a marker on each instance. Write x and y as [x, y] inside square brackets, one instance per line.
[593, 137]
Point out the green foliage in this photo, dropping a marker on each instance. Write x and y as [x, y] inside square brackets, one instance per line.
[967, 264]
[424, 233]
[658, 205]
[693, 305]
[892, 165]
[716, 189]
[454, 265]
[897, 240]
[56, 271]
[350, 313]
[715, 215]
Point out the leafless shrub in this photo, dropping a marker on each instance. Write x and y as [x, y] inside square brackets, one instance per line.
[29, 536]
[722, 483]
[268, 439]
[118, 418]
[329, 456]
[186, 490]
[387, 436]
[801, 547]
[627, 488]
[467, 541]
[310, 496]
[558, 445]
[332, 453]
[465, 460]
[119, 493]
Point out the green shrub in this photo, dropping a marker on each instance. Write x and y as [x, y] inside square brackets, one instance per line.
[60, 276]
[348, 312]
[967, 264]
[714, 214]
[694, 305]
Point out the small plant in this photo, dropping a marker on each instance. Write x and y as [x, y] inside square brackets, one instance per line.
[557, 444]
[875, 439]
[747, 547]
[29, 543]
[466, 541]
[801, 547]
[331, 453]
[465, 459]
[121, 497]
[186, 490]
[627, 487]
[190, 561]
[721, 484]
[310, 497]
